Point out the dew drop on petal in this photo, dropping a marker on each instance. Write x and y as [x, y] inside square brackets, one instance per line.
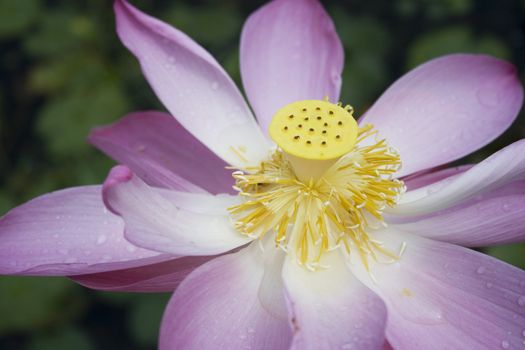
[505, 344]
[131, 248]
[481, 270]
[489, 285]
[215, 85]
[521, 300]
[63, 251]
[101, 239]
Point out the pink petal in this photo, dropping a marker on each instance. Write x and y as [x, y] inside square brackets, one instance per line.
[442, 296]
[290, 51]
[160, 277]
[496, 217]
[158, 149]
[332, 309]
[179, 223]
[415, 181]
[217, 307]
[67, 232]
[193, 87]
[447, 108]
[501, 168]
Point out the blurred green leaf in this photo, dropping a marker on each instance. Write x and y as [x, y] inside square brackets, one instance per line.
[29, 303]
[6, 203]
[66, 339]
[146, 316]
[60, 32]
[361, 35]
[77, 113]
[513, 254]
[17, 15]
[207, 25]
[363, 77]
[453, 40]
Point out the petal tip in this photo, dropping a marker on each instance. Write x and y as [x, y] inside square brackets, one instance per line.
[117, 175]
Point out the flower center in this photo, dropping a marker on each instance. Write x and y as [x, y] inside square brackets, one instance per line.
[323, 189]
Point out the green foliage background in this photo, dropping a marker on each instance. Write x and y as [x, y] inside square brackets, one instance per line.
[63, 71]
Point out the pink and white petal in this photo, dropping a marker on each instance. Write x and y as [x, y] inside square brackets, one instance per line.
[160, 277]
[443, 296]
[290, 51]
[168, 221]
[159, 150]
[67, 232]
[415, 181]
[331, 309]
[217, 307]
[193, 87]
[496, 217]
[446, 109]
[503, 167]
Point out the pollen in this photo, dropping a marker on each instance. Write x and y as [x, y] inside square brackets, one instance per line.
[328, 130]
[336, 210]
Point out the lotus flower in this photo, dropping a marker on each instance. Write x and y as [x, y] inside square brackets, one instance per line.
[340, 235]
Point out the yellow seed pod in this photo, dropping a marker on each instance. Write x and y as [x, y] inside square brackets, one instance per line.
[314, 129]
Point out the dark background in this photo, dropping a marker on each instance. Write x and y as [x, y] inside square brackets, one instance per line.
[63, 71]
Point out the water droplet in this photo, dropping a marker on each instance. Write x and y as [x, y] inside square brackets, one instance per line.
[505, 207]
[523, 333]
[131, 248]
[505, 344]
[71, 260]
[101, 239]
[489, 96]
[481, 270]
[106, 258]
[489, 285]
[215, 85]
[521, 300]
[63, 251]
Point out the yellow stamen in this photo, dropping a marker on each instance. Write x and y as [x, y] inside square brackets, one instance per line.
[333, 209]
